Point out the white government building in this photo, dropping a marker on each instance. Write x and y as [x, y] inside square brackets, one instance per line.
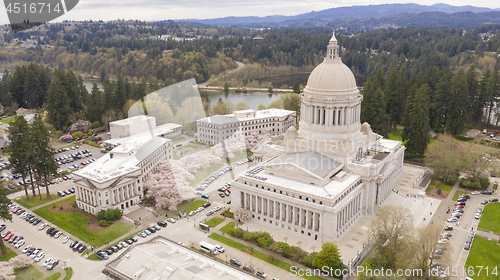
[212, 130]
[319, 180]
[116, 179]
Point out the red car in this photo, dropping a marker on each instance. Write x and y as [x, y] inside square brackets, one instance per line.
[83, 163]
[64, 178]
[459, 206]
[15, 211]
[228, 190]
[6, 238]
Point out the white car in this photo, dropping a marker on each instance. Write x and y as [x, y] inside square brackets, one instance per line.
[124, 244]
[452, 220]
[20, 243]
[27, 248]
[475, 193]
[171, 220]
[66, 239]
[477, 216]
[42, 226]
[47, 261]
[59, 233]
[40, 256]
[442, 241]
[35, 253]
[219, 248]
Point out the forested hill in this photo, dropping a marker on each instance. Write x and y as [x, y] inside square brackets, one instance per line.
[349, 14]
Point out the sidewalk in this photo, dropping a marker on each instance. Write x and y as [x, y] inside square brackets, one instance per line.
[262, 250]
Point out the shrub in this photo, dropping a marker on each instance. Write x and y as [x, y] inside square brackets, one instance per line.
[308, 261]
[439, 191]
[65, 172]
[77, 134]
[90, 132]
[238, 232]
[280, 247]
[247, 236]
[104, 223]
[230, 231]
[101, 215]
[96, 124]
[485, 182]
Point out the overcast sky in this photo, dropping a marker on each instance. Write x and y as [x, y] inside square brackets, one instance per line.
[185, 9]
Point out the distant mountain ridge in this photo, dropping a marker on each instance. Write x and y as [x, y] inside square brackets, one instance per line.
[351, 12]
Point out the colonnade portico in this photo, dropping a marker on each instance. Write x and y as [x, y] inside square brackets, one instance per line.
[288, 215]
[330, 116]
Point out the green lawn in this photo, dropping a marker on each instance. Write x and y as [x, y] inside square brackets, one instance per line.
[190, 207]
[227, 226]
[32, 202]
[279, 263]
[10, 255]
[396, 135]
[28, 273]
[69, 273]
[483, 253]
[54, 276]
[177, 138]
[490, 219]
[8, 120]
[95, 257]
[215, 221]
[457, 193]
[75, 224]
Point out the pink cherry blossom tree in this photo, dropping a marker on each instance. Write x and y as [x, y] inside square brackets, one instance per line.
[20, 261]
[168, 186]
[6, 271]
[66, 137]
[255, 137]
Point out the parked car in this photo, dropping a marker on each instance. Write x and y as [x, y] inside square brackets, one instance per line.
[103, 255]
[484, 202]
[248, 268]
[82, 248]
[47, 261]
[493, 199]
[65, 239]
[235, 261]
[261, 274]
[52, 264]
[171, 220]
[204, 196]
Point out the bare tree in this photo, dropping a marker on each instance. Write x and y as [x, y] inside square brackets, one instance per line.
[242, 214]
[444, 158]
[423, 245]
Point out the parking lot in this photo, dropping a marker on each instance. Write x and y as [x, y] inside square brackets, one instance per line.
[464, 230]
[53, 247]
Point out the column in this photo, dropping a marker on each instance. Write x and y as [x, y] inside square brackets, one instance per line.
[313, 221]
[328, 120]
[242, 198]
[315, 114]
[283, 212]
[308, 218]
[335, 117]
[271, 208]
[320, 113]
[264, 206]
[290, 214]
[277, 210]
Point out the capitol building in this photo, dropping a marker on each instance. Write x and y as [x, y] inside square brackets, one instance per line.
[318, 181]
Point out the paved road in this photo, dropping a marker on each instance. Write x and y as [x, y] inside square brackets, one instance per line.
[457, 255]
[240, 65]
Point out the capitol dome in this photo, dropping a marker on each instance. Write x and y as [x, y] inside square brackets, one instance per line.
[331, 76]
[330, 102]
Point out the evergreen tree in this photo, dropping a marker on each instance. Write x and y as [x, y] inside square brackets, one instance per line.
[395, 98]
[57, 104]
[458, 104]
[373, 109]
[44, 162]
[440, 106]
[73, 91]
[94, 104]
[416, 131]
[19, 148]
[482, 98]
[296, 86]
[493, 92]
[33, 92]
[473, 89]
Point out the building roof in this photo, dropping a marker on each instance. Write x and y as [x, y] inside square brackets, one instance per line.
[123, 159]
[161, 258]
[157, 131]
[327, 191]
[132, 120]
[332, 77]
[238, 116]
[311, 161]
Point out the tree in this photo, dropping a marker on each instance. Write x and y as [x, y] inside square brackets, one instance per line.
[458, 104]
[222, 108]
[373, 110]
[226, 87]
[96, 124]
[440, 106]
[423, 245]
[241, 214]
[241, 106]
[19, 148]
[416, 131]
[168, 185]
[392, 228]
[261, 107]
[329, 256]
[474, 162]
[44, 163]
[77, 134]
[296, 86]
[444, 158]
[57, 105]
[439, 191]
[5, 213]
[395, 97]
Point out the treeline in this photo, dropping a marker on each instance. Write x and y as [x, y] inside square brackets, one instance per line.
[433, 99]
[65, 98]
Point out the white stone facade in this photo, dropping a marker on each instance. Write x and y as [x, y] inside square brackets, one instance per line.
[116, 179]
[318, 181]
[214, 129]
